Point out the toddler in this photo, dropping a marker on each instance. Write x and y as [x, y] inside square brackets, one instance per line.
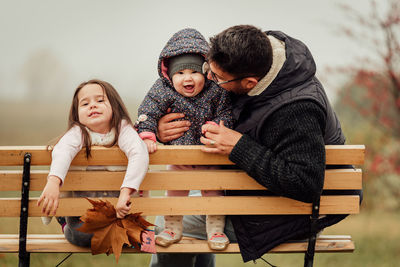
[97, 117]
[183, 88]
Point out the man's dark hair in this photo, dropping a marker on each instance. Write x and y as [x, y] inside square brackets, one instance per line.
[242, 51]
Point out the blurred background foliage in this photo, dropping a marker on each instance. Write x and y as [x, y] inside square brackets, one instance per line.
[368, 104]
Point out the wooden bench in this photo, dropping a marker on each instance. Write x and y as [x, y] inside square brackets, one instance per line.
[12, 179]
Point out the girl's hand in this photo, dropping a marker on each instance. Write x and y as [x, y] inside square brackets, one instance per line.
[124, 202]
[50, 196]
[151, 145]
[218, 138]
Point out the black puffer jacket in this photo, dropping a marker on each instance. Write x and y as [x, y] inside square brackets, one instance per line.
[285, 131]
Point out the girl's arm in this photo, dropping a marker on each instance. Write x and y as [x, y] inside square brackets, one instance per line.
[138, 160]
[50, 195]
[63, 153]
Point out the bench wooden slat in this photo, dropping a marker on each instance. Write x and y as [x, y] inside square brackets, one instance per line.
[187, 245]
[61, 236]
[347, 154]
[345, 179]
[10, 207]
[180, 155]
[10, 180]
[168, 180]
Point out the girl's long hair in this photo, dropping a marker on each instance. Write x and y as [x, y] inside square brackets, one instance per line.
[119, 112]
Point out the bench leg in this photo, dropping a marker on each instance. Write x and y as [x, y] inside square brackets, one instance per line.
[24, 260]
[24, 257]
[309, 255]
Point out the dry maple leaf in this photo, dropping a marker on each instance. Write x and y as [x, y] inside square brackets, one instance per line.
[109, 232]
[131, 223]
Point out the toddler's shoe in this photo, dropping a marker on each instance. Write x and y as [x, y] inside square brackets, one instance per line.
[167, 237]
[218, 241]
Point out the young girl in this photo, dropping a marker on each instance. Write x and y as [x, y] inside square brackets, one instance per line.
[97, 117]
[183, 88]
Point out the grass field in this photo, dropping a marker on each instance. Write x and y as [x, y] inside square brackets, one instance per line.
[376, 236]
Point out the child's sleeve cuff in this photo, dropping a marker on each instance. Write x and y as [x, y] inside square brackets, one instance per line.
[148, 135]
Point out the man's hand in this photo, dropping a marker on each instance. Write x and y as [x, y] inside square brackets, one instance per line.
[218, 138]
[151, 145]
[50, 196]
[124, 202]
[168, 129]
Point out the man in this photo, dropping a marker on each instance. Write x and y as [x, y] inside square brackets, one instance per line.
[283, 122]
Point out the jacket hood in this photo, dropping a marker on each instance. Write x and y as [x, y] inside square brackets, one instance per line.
[298, 68]
[183, 42]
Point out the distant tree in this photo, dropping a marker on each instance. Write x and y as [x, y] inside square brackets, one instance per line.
[369, 104]
[379, 78]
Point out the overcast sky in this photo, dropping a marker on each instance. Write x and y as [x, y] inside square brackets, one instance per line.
[120, 41]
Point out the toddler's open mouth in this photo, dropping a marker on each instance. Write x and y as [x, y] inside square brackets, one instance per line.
[189, 88]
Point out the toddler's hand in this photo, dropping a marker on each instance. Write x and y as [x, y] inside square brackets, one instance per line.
[50, 195]
[151, 145]
[124, 204]
[204, 129]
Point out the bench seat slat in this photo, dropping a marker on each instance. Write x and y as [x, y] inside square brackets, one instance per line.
[186, 245]
[170, 180]
[61, 236]
[197, 206]
[180, 155]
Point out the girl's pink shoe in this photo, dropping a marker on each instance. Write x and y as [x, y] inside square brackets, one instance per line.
[148, 244]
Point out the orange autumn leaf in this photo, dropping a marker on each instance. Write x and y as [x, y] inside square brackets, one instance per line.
[139, 219]
[109, 232]
[131, 223]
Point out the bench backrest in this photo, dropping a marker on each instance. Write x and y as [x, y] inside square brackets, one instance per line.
[335, 179]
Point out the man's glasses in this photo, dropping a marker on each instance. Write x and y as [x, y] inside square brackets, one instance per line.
[207, 69]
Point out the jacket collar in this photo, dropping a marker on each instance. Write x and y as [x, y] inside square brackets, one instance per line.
[278, 59]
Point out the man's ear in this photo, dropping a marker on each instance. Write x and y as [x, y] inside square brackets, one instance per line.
[249, 82]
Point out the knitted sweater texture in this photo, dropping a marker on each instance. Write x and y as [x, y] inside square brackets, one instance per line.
[291, 158]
